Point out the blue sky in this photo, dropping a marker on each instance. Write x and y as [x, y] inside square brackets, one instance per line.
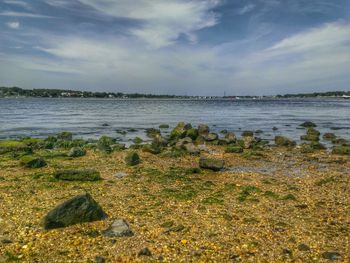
[193, 47]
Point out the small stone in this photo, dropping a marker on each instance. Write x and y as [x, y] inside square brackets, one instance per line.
[303, 247]
[331, 255]
[211, 164]
[120, 175]
[119, 228]
[145, 252]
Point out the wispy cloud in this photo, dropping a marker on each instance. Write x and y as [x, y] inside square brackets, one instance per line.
[13, 25]
[23, 14]
[246, 9]
[18, 3]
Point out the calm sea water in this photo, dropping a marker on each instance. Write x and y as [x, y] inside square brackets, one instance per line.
[40, 117]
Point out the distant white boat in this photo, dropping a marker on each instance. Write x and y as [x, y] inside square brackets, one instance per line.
[346, 97]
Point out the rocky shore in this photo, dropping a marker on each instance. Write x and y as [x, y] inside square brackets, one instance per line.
[189, 196]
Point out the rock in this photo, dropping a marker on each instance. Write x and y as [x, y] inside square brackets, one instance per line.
[192, 133]
[259, 132]
[234, 149]
[100, 259]
[145, 252]
[317, 146]
[308, 124]
[132, 158]
[180, 131]
[158, 139]
[211, 137]
[230, 137]
[203, 130]
[310, 137]
[152, 148]
[33, 162]
[303, 247]
[313, 131]
[275, 129]
[164, 126]
[104, 144]
[105, 125]
[77, 175]
[283, 141]
[191, 148]
[248, 142]
[118, 147]
[76, 152]
[341, 141]
[137, 140]
[329, 136]
[342, 150]
[119, 228]
[79, 209]
[331, 255]
[65, 136]
[152, 132]
[247, 133]
[120, 174]
[182, 142]
[211, 164]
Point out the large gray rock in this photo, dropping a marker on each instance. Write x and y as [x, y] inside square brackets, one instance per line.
[191, 149]
[203, 130]
[118, 228]
[211, 164]
[79, 209]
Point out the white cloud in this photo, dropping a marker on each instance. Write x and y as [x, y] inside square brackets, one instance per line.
[246, 9]
[164, 21]
[23, 14]
[13, 25]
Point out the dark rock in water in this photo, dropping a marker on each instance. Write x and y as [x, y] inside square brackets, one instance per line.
[331, 255]
[275, 129]
[234, 149]
[79, 209]
[119, 228]
[121, 132]
[259, 132]
[247, 133]
[211, 137]
[145, 252]
[105, 125]
[341, 141]
[203, 130]
[33, 162]
[303, 247]
[100, 259]
[342, 150]
[230, 137]
[211, 164]
[310, 137]
[283, 141]
[159, 140]
[77, 175]
[76, 152]
[329, 136]
[192, 133]
[164, 126]
[132, 158]
[313, 131]
[66, 136]
[308, 124]
[152, 132]
[137, 140]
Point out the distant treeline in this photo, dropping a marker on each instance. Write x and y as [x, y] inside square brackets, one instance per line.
[316, 94]
[57, 93]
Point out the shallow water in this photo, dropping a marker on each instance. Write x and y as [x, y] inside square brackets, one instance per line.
[40, 117]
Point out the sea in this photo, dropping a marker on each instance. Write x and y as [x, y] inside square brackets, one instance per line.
[92, 118]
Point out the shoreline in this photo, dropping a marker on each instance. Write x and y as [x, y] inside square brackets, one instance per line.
[189, 196]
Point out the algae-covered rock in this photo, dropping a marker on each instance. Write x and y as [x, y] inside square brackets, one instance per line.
[234, 149]
[341, 141]
[33, 162]
[80, 209]
[164, 126]
[342, 150]
[180, 130]
[152, 148]
[77, 152]
[211, 137]
[77, 175]
[329, 136]
[308, 124]
[247, 133]
[248, 142]
[284, 141]
[118, 147]
[119, 228]
[104, 144]
[203, 130]
[310, 137]
[230, 137]
[191, 149]
[132, 158]
[211, 164]
[137, 140]
[152, 132]
[66, 136]
[192, 133]
[317, 146]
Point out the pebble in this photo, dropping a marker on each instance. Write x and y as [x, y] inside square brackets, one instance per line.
[331, 255]
[120, 175]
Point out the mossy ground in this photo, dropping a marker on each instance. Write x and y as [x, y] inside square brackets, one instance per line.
[182, 214]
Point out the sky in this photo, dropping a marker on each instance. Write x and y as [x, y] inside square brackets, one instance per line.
[181, 47]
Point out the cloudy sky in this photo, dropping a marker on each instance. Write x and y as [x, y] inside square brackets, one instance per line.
[193, 47]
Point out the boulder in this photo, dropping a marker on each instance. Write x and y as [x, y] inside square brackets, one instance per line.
[152, 148]
[152, 132]
[308, 124]
[191, 148]
[203, 130]
[79, 209]
[33, 162]
[248, 142]
[119, 228]
[192, 133]
[77, 175]
[76, 152]
[132, 158]
[158, 139]
[180, 130]
[211, 164]
[230, 137]
[163, 126]
[329, 136]
[104, 144]
[211, 137]
[284, 141]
